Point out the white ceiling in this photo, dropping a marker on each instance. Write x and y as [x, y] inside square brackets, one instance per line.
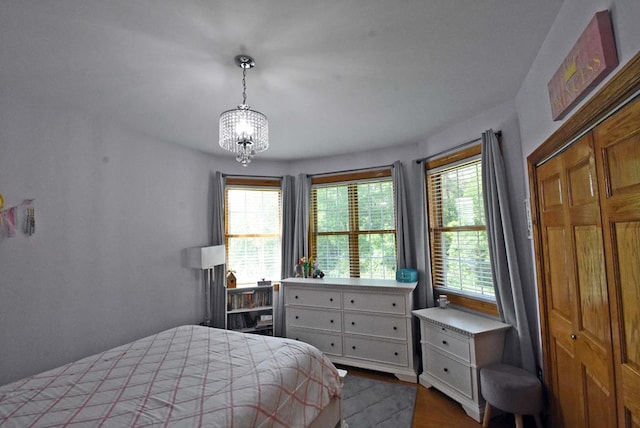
[333, 76]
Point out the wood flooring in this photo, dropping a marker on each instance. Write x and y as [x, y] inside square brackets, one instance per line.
[433, 409]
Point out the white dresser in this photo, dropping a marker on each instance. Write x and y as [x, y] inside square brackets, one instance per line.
[357, 322]
[455, 345]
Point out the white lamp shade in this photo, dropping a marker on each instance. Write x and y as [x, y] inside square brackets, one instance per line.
[205, 257]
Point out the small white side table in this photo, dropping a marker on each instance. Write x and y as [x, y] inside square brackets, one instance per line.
[455, 345]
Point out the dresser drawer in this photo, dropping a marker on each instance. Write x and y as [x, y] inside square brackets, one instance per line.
[449, 371]
[384, 303]
[375, 325]
[448, 340]
[310, 297]
[314, 318]
[376, 350]
[326, 342]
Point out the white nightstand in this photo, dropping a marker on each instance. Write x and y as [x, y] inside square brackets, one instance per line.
[455, 345]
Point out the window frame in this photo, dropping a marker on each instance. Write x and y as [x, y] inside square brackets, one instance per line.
[275, 184]
[351, 179]
[472, 301]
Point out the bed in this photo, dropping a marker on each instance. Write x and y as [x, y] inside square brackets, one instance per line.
[186, 376]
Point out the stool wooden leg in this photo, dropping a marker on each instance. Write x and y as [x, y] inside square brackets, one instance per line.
[538, 420]
[519, 422]
[487, 415]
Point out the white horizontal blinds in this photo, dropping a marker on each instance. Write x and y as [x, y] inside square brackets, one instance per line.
[352, 225]
[253, 231]
[459, 243]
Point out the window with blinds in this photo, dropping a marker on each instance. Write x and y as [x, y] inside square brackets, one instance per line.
[457, 227]
[253, 232]
[352, 227]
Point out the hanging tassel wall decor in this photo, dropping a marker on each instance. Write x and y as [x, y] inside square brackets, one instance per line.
[20, 216]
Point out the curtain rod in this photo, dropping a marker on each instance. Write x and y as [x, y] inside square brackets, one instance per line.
[350, 170]
[267, 177]
[459, 146]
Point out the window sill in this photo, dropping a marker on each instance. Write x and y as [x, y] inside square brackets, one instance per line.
[484, 306]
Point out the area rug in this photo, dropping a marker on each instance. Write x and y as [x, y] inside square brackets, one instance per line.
[374, 403]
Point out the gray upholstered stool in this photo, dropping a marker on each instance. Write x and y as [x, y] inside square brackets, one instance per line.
[512, 390]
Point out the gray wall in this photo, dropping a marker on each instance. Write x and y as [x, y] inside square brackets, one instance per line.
[532, 100]
[113, 212]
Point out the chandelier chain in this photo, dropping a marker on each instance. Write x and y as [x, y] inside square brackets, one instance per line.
[244, 85]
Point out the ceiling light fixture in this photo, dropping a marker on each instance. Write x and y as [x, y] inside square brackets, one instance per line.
[243, 131]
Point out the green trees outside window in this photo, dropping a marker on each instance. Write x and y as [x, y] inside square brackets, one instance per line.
[353, 228]
[458, 233]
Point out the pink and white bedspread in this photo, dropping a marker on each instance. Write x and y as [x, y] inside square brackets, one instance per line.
[187, 376]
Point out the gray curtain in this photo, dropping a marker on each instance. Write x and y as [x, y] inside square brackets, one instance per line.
[423, 294]
[217, 238]
[504, 261]
[301, 227]
[404, 256]
[288, 258]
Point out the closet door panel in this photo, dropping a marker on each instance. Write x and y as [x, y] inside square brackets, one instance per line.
[628, 245]
[581, 182]
[624, 175]
[593, 298]
[577, 304]
[592, 322]
[598, 400]
[566, 406]
[558, 273]
[627, 252]
[551, 188]
[617, 144]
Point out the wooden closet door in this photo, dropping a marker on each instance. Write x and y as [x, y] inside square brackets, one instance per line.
[617, 142]
[582, 391]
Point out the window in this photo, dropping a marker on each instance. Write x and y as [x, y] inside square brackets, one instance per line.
[352, 227]
[457, 227]
[253, 229]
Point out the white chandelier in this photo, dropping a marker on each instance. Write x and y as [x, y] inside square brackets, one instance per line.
[243, 131]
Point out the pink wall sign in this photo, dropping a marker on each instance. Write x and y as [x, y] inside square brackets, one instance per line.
[590, 60]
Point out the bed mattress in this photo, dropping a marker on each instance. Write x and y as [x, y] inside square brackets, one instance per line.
[186, 376]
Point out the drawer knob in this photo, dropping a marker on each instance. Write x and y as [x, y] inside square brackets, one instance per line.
[297, 317]
[332, 344]
[444, 342]
[395, 328]
[331, 299]
[296, 297]
[331, 321]
[443, 329]
[395, 353]
[352, 301]
[393, 304]
[353, 347]
[353, 323]
[574, 337]
[446, 369]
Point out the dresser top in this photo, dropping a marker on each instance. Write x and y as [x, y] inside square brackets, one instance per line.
[353, 282]
[461, 321]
